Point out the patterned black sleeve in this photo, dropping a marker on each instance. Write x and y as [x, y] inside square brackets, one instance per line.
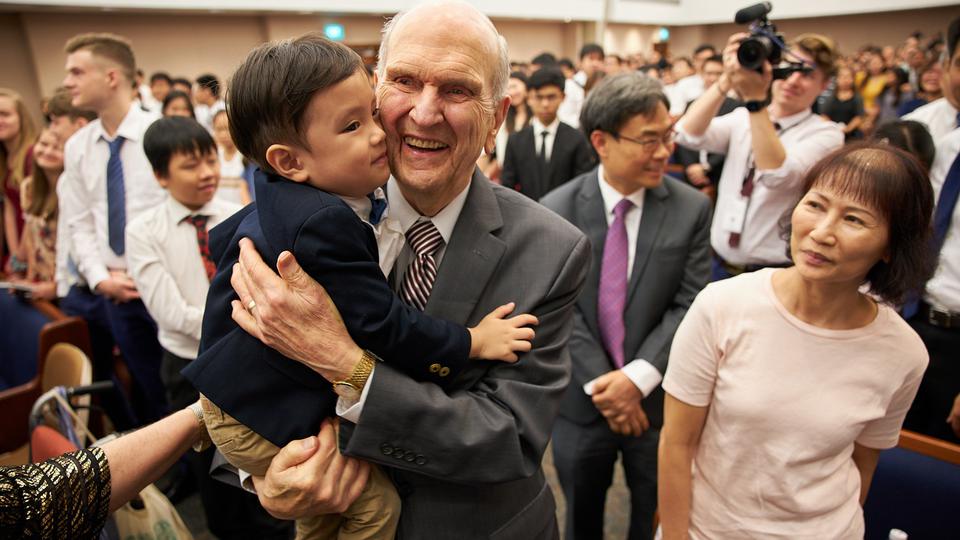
[64, 497]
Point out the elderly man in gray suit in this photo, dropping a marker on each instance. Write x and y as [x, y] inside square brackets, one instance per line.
[651, 256]
[466, 461]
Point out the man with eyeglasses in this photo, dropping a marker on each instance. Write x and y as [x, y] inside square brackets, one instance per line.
[770, 143]
[651, 256]
[547, 153]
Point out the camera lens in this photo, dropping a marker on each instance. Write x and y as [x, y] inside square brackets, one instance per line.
[753, 51]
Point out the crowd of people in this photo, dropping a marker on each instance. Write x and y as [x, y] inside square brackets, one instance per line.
[692, 266]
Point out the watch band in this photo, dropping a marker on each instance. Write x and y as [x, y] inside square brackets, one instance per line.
[756, 105]
[361, 372]
[204, 442]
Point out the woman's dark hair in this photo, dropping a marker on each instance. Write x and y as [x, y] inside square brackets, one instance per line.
[174, 95]
[512, 111]
[910, 136]
[892, 182]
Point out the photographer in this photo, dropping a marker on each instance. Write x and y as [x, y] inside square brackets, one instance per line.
[770, 143]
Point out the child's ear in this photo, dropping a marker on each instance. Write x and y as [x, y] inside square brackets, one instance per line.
[161, 179]
[286, 161]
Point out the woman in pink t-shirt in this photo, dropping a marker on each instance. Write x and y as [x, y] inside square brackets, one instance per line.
[784, 384]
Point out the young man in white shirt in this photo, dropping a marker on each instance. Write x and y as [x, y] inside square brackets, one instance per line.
[591, 61]
[942, 116]
[106, 182]
[208, 102]
[770, 144]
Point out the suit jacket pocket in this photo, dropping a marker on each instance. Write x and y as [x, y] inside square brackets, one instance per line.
[537, 520]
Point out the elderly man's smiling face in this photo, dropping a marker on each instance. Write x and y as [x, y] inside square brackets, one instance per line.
[437, 104]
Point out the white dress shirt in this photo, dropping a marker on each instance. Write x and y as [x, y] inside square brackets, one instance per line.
[939, 116]
[205, 113]
[405, 216]
[683, 92]
[165, 263]
[806, 139]
[573, 95]
[943, 291]
[639, 371]
[538, 136]
[84, 191]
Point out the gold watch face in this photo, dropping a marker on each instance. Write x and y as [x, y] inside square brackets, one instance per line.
[346, 390]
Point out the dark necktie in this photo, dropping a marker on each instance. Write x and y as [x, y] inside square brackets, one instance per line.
[946, 204]
[377, 207]
[542, 154]
[746, 190]
[612, 293]
[116, 198]
[425, 240]
[203, 242]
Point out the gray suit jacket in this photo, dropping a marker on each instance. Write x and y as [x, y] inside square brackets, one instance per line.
[466, 461]
[672, 265]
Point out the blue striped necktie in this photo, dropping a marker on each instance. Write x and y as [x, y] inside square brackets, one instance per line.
[116, 197]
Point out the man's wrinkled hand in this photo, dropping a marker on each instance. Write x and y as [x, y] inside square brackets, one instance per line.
[292, 314]
[310, 477]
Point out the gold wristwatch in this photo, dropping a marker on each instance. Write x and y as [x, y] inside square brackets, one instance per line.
[352, 386]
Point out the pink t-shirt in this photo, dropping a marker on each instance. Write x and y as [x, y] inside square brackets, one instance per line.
[787, 402]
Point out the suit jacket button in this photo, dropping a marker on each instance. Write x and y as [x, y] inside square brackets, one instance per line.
[386, 449]
[398, 452]
[444, 371]
[434, 368]
[420, 460]
[409, 456]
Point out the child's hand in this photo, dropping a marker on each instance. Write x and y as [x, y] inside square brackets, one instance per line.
[497, 338]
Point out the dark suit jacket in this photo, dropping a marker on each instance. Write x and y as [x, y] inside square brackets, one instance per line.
[672, 265]
[466, 459]
[279, 398]
[686, 156]
[571, 156]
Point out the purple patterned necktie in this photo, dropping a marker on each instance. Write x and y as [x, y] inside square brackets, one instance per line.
[426, 241]
[613, 284]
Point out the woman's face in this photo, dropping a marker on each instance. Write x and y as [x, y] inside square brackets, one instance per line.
[931, 79]
[876, 65]
[48, 151]
[835, 238]
[517, 92]
[221, 131]
[844, 79]
[177, 107]
[9, 120]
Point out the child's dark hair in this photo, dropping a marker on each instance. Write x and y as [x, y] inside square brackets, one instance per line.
[175, 135]
[174, 95]
[270, 91]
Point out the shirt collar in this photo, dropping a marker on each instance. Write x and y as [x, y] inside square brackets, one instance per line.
[794, 119]
[178, 211]
[406, 216]
[611, 196]
[132, 126]
[361, 205]
[538, 126]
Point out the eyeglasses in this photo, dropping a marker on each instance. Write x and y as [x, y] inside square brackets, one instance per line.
[651, 144]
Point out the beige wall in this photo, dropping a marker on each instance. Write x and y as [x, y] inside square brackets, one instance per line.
[16, 63]
[31, 43]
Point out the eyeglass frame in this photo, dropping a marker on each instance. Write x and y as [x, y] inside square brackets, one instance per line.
[667, 140]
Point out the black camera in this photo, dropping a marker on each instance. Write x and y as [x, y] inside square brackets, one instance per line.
[764, 43]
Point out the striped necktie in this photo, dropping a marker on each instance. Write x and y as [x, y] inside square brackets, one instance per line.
[425, 240]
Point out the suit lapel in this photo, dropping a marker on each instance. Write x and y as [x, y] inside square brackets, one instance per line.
[471, 257]
[654, 210]
[593, 223]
